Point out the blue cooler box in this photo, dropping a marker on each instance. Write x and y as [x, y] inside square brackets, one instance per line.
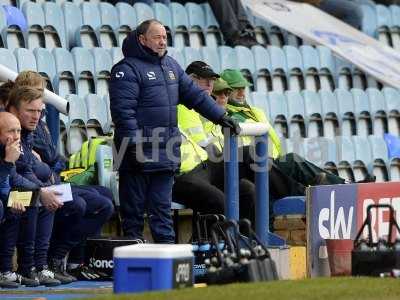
[149, 267]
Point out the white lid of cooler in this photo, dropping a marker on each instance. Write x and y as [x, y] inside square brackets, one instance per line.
[154, 251]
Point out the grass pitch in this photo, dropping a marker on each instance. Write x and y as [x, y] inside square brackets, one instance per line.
[319, 289]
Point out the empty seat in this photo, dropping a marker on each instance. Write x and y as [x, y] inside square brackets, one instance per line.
[345, 157]
[75, 128]
[191, 55]
[369, 22]
[109, 25]
[311, 67]
[294, 68]
[278, 68]
[7, 59]
[116, 54]
[295, 104]
[260, 100]
[127, 20]
[377, 110]
[245, 60]
[97, 121]
[344, 74]
[143, 12]
[361, 110]
[35, 18]
[392, 100]
[73, 23]
[319, 151]
[45, 63]
[295, 145]
[102, 68]
[227, 57]
[180, 24]
[384, 22]
[64, 81]
[380, 157]
[363, 160]
[262, 75]
[211, 56]
[177, 55]
[313, 113]
[330, 113]
[347, 121]
[25, 60]
[278, 111]
[84, 70]
[213, 33]
[196, 20]
[13, 36]
[326, 68]
[54, 29]
[91, 21]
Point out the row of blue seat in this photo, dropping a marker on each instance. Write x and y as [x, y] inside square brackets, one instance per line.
[329, 114]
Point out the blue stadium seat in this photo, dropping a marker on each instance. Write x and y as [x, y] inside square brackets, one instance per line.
[227, 57]
[327, 68]
[313, 113]
[383, 16]
[106, 100]
[296, 113]
[278, 69]
[377, 110]
[330, 113]
[84, 70]
[91, 22]
[245, 59]
[363, 160]
[102, 68]
[177, 55]
[109, 15]
[392, 100]
[395, 14]
[361, 110]
[64, 81]
[76, 128]
[143, 12]
[97, 114]
[191, 55]
[213, 33]
[25, 59]
[278, 112]
[13, 35]
[345, 157]
[45, 63]
[369, 21]
[163, 14]
[108, 25]
[310, 57]
[294, 68]
[35, 18]
[347, 121]
[180, 24]
[127, 20]
[262, 76]
[7, 59]
[54, 30]
[380, 158]
[197, 22]
[260, 100]
[116, 54]
[211, 56]
[344, 74]
[295, 145]
[73, 22]
[3, 21]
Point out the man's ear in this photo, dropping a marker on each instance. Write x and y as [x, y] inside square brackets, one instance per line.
[141, 39]
[13, 110]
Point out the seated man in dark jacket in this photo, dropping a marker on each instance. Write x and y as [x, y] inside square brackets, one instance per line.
[145, 89]
[34, 227]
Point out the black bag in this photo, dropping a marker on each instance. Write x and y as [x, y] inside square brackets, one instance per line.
[239, 260]
[370, 258]
[99, 252]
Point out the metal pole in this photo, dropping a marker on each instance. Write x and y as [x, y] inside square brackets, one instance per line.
[262, 187]
[231, 176]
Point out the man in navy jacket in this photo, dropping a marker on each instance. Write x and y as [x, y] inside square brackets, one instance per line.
[145, 89]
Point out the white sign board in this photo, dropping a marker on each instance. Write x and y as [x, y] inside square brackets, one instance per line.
[312, 24]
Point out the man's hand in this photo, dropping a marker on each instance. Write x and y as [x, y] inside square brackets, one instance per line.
[17, 208]
[12, 151]
[228, 122]
[50, 200]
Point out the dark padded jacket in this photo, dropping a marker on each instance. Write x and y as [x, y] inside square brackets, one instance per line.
[144, 93]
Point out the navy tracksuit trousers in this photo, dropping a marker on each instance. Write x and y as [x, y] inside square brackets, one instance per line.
[151, 193]
[84, 216]
[30, 232]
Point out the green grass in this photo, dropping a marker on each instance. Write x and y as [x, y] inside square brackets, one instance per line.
[318, 289]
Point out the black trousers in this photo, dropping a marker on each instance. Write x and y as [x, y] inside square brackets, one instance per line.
[197, 191]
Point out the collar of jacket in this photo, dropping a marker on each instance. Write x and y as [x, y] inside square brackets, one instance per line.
[243, 109]
[131, 47]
